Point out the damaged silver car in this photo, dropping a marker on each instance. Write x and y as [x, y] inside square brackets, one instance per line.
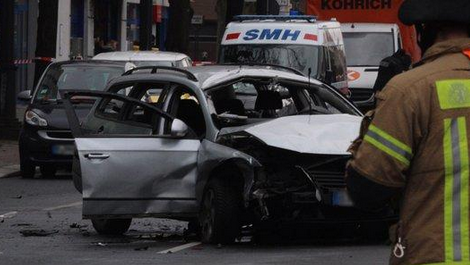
[219, 146]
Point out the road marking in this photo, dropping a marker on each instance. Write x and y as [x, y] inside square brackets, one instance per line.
[179, 248]
[8, 215]
[63, 206]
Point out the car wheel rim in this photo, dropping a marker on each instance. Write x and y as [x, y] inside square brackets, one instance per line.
[208, 216]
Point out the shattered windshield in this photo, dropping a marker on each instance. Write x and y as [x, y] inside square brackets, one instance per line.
[250, 101]
[300, 57]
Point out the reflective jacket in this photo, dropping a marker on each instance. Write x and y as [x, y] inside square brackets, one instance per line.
[418, 141]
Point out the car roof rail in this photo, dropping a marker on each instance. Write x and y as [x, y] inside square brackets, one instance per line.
[154, 69]
[290, 69]
[241, 18]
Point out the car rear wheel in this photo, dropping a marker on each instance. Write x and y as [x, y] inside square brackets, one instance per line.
[111, 227]
[48, 171]
[220, 213]
[27, 168]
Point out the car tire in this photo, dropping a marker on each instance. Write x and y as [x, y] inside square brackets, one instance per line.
[111, 227]
[77, 175]
[27, 168]
[48, 171]
[220, 214]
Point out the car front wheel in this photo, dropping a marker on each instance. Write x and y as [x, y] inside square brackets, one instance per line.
[111, 227]
[27, 168]
[220, 213]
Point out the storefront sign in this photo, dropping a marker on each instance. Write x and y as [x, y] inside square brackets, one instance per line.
[197, 20]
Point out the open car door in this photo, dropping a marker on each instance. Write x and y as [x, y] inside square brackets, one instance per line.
[136, 160]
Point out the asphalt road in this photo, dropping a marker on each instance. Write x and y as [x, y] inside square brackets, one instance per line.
[52, 206]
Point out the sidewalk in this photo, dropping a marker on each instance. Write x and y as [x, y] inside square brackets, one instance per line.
[9, 159]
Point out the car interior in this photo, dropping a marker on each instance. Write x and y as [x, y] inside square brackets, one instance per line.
[246, 102]
[113, 116]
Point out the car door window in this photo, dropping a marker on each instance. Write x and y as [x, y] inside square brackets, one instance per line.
[114, 114]
[185, 106]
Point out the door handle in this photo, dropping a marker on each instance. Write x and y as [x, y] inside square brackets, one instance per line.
[96, 156]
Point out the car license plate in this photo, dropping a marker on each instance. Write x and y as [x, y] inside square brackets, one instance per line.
[341, 198]
[63, 149]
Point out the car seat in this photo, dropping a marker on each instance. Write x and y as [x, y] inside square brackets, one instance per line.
[231, 105]
[190, 113]
[268, 102]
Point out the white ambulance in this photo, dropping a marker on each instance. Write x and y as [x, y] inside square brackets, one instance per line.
[299, 42]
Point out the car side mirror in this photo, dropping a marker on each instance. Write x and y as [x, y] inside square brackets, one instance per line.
[179, 128]
[25, 95]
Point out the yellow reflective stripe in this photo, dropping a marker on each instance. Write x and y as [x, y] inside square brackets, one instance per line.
[448, 263]
[464, 186]
[448, 240]
[453, 94]
[387, 150]
[391, 139]
[456, 194]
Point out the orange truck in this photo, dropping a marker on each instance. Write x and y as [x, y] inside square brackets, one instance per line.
[371, 32]
[366, 11]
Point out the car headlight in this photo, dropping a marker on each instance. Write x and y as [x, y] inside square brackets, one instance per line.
[33, 118]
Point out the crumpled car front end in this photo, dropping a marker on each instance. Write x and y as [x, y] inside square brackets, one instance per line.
[302, 177]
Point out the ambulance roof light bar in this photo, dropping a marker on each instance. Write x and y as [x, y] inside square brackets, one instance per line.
[241, 18]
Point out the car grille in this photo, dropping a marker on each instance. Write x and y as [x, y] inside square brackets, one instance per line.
[60, 134]
[329, 174]
[361, 94]
[328, 180]
[56, 135]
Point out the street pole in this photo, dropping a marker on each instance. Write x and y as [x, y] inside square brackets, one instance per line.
[146, 13]
[8, 123]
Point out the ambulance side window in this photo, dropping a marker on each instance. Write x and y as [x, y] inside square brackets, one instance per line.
[337, 64]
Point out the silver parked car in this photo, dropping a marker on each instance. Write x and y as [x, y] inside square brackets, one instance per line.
[219, 146]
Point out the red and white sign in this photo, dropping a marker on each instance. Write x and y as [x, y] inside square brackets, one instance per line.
[353, 75]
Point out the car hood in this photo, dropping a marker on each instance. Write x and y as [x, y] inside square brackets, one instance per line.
[310, 134]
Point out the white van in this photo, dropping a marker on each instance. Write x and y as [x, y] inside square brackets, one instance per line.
[147, 58]
[299, 42]
[366, 45]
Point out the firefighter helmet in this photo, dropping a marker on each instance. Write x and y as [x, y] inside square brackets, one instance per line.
[425, 11]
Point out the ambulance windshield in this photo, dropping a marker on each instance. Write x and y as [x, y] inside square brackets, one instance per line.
[367, 48]
[300, 57]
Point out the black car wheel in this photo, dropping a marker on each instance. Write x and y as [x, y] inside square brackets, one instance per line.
[27, 167]
[111, 227]
[48, 171]
[220, 213]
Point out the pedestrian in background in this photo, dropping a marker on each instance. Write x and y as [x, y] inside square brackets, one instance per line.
[391, 66]
[415, 146]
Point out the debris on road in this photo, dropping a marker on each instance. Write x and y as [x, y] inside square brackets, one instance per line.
[7, 216]
[77, 225]
[18, 225]
[141, 248]
[101, 244]
[38, 232]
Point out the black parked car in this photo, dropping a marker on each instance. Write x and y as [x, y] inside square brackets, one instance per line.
[45, 139]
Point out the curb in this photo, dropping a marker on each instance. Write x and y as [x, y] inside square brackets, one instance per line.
[10, 171]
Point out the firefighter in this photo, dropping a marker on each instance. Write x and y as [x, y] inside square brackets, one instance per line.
[415, 146]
